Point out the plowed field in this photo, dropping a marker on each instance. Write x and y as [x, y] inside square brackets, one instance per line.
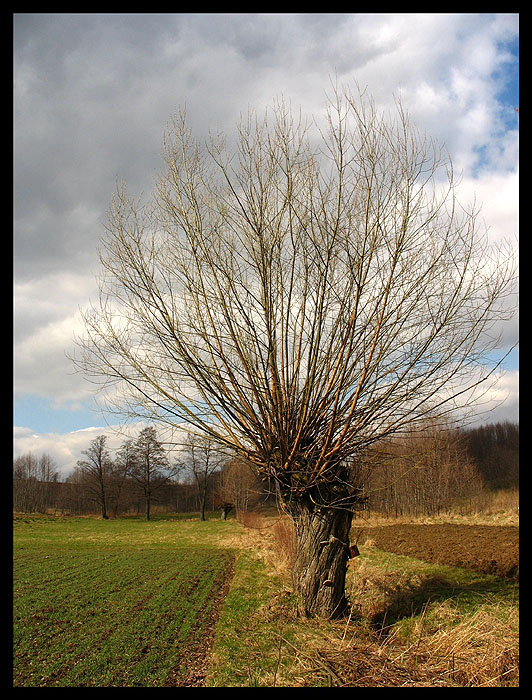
[484, 548]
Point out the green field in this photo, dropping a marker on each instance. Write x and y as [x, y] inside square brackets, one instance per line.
[176, 602]
[114, 603]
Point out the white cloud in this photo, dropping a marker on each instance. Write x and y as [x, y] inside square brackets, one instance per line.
[42, 368]
[67, 448]
[502, 400]
[46, 319]
[497, 193]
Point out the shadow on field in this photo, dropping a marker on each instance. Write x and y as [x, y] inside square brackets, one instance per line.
[412, 598]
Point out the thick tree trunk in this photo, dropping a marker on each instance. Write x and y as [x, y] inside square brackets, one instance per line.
[322, 555]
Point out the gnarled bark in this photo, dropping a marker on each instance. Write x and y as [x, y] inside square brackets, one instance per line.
[322, 555]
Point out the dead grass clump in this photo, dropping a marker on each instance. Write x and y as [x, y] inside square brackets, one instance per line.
[250, 519]
[285, 540]
[352, 657]
[480, 650]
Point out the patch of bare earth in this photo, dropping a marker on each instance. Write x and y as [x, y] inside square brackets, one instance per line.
[193, 664]
[483, 548]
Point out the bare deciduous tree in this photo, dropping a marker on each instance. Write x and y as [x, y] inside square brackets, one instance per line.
[202, 457]
[122, 467]
[239, 486]
[96, 469]
[34, 480]
[422, 472]
[149, 465]
[297, 299]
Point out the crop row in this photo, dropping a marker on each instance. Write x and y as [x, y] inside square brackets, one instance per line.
[114, 618]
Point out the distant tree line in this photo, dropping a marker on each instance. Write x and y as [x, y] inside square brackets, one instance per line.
[494, 448]
[138, 478]
[430, 472]
[35, 483]
[407, 475]
[419, 474]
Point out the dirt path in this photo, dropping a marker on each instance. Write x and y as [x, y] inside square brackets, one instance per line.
[193, 665]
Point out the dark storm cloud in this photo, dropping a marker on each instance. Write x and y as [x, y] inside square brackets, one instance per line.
[93, 95]
[81, 120]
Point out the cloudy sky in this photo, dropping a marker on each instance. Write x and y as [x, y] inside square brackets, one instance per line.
[93, 96]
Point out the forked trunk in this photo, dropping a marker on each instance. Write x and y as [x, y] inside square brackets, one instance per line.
[322, 555]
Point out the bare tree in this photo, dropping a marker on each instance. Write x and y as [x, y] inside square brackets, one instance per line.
[202, 458]
[149, 466]
[97, 470]
[34, 481]
[296, 299]
[422, 472]
[122, 466]
[25, 484]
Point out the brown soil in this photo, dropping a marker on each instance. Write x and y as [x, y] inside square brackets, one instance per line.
[192, 669]
[484, 548]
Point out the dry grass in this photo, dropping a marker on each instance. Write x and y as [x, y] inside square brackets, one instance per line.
[471, 653]
[250, 519]
[285, 539]
[502, 517]
[441, 645]
[486, 508]
[478, 650]
[272, 536]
